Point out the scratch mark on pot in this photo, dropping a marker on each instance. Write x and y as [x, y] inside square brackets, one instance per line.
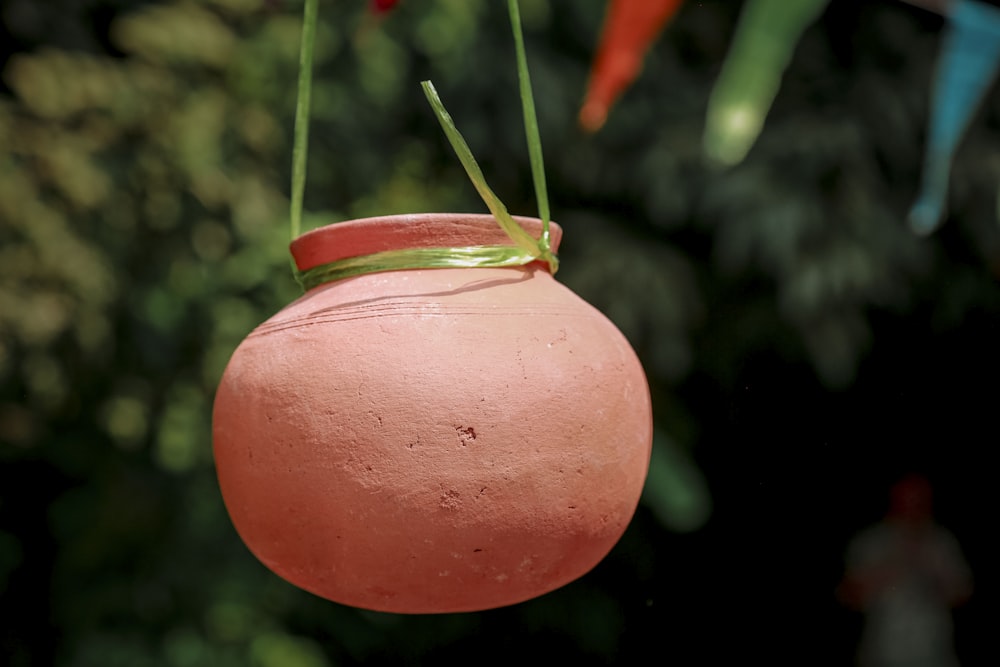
[383, 593]
[450, 500]
[520, 363]
[561, 338]
[466, 434]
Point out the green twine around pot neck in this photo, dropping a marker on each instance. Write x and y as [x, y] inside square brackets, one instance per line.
[526, 248]
[419, 258]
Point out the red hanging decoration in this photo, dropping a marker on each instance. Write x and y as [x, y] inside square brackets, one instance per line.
[629, 28]
[382, 6]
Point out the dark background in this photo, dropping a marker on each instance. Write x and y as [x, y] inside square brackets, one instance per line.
[803, 348]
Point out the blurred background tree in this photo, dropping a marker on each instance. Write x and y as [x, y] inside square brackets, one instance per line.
[803, 347]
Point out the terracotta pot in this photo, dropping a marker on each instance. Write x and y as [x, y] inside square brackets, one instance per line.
[433, 440]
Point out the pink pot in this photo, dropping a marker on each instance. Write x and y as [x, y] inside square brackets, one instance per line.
[433, 440]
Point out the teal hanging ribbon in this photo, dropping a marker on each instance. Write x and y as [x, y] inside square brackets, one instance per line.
[970, 56]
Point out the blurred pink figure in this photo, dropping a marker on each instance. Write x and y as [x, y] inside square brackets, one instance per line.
[906, 574]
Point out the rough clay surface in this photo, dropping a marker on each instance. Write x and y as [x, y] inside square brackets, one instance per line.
[436, 440]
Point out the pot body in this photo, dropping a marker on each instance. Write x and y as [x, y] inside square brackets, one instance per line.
[433, 440]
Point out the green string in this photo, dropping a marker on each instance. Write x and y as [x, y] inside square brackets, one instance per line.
[300, 148]
[530, 123]
[416, 258]
[526, 248]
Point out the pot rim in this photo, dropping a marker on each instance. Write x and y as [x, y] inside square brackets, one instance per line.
[367, 236]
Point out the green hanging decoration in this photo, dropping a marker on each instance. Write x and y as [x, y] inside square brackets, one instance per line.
[676, 491]
[751, 75]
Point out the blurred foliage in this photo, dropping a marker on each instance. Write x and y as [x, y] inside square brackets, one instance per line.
[143, 198]
[675, 490]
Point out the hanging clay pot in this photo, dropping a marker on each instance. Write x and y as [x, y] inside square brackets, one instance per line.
[431, 440]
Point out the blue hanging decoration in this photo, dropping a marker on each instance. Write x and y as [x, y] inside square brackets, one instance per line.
[970, 56]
